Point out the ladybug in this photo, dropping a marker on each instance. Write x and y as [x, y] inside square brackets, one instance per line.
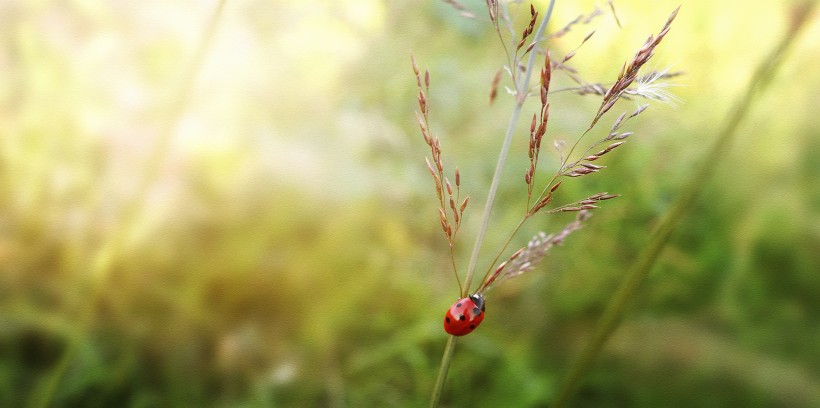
[464, 315]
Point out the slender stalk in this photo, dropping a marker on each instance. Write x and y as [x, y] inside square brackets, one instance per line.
[442, 371]
[616, 308]
[455, 269]
[521, 87]
[490, 267]
[111, 250]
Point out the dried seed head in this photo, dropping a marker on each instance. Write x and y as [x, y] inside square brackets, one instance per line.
[639, 110]
[613, 146]
[494, 86]
[527, 258]
[546, 76]
[491, 5]
[464, 204]
[630, 70]
[570, 209]
[445, 226]
[458, 178]
[532, 125]
[602, 196]
[618, 121]
[430, 167]
[579, 172]
[543, 96]
[422, 103]
[541, 203]
[530, 47]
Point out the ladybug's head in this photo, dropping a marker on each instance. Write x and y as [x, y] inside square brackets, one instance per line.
[478, 299]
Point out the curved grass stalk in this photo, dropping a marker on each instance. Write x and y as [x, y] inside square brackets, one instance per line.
[616, 308]
[522, 87]
[43, 394]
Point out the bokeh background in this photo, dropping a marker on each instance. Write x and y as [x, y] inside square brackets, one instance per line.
[257, 227]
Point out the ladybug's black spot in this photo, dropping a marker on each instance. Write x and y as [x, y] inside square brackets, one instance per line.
[462, 318]
[458, 304]
[472, 326]
[447, 319]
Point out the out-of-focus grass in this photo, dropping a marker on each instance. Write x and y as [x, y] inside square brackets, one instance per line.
[288, 252]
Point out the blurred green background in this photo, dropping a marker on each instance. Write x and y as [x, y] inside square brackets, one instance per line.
[272, 240]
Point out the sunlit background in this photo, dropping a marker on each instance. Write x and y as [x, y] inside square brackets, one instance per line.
[235, 211]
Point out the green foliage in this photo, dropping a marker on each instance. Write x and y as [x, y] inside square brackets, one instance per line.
[287, 253]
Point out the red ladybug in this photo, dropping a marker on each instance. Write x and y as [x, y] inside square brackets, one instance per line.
[464, 315]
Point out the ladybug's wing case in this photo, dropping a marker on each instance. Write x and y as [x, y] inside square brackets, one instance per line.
[464, 315]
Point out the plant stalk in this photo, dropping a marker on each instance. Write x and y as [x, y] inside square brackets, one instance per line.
[522, 88]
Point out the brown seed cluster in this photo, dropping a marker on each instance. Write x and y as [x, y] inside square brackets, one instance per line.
[492, 8]
[527, 31]
[494, 86]
[527, 258]
[630, 70]
[451, 207]
[610, 142]
[574, 163]
[585, 204]
[514, 67]
[538, 126]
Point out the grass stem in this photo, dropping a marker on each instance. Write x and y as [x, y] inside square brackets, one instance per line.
[522, 88]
